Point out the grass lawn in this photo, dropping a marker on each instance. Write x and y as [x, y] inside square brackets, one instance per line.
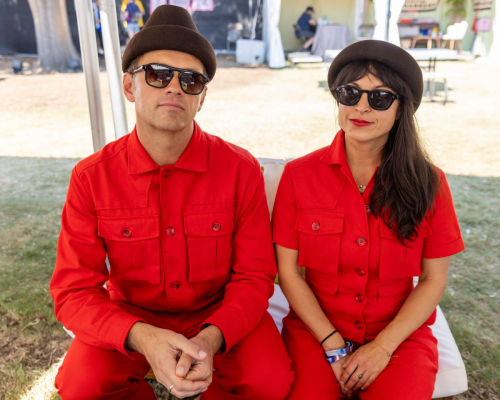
[37, 156]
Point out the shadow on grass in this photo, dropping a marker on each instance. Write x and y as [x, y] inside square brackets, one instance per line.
[31, 340]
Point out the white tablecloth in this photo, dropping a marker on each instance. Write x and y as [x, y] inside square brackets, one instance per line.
[330, 37]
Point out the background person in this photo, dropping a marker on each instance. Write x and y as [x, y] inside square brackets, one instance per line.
[132, 14]
[363, 216]
[308, 27]
[182, 217]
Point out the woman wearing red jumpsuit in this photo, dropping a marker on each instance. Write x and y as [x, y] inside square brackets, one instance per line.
[364, 216]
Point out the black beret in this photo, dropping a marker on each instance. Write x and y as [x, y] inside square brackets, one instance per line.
[171, 28]
[396, 58]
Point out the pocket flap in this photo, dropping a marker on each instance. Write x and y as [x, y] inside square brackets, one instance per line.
[319, 222]
[128, 229]
[214, 223]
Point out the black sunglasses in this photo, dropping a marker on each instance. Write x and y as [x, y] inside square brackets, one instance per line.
[379, 99]
[159, 76]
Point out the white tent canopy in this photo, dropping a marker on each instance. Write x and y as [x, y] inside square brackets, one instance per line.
[381, 11]
[494, 55]
[271, 34]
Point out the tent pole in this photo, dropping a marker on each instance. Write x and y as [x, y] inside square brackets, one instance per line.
[111, 42]
[388, 20]
[88, 45]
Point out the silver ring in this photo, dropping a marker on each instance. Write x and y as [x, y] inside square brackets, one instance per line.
[170, 388]
[360, 376]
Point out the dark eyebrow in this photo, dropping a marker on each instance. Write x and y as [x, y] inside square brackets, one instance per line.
[376, 87]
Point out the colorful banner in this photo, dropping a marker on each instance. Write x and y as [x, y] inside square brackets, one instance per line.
[155, 3]
[202, 5]
[420, 5]
[181, 3]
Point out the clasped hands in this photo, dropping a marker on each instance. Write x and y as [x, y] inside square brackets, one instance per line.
[184, 366]
[358, 370]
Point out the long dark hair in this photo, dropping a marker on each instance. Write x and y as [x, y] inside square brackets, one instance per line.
[406, 183]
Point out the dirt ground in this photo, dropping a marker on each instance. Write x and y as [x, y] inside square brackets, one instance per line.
[273, 113]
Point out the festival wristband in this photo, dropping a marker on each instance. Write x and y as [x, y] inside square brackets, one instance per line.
[335, 355]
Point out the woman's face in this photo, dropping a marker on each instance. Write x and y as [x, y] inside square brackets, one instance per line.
[363, 124]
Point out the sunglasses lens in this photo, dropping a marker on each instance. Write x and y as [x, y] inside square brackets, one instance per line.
[158, 77]
[348, 95]
[380, 100]
[192, 82]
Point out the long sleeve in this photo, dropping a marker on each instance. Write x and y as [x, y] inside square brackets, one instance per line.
[253, 266]
[82, 303]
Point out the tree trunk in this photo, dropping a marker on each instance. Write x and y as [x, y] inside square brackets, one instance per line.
[53, 37]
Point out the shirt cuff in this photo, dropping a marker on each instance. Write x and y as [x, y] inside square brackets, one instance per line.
[231, 329]
[288, 241]
[444, 250]
[114, 333]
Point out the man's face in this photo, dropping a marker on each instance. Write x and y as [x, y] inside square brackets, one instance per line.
[169, 108]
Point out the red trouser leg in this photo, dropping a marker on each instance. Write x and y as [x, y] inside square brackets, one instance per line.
[410, 375]
[314, 378]
[257, 368]
[90, 372]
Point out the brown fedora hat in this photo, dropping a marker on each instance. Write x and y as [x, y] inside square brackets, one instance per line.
[171, 28]
[386, 53]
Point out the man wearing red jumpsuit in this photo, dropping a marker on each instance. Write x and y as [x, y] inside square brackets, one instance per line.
[182, 218]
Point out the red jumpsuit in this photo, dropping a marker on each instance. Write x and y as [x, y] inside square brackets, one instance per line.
[358, 270]
[188, 244]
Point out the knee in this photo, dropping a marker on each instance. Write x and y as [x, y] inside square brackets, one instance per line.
[270, 381]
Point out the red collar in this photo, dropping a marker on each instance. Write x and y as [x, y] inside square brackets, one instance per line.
[336, 152]
[194, 157]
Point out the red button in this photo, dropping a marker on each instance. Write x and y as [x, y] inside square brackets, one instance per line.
[167, 173]
[175, 285]
[216, 227]
[315, 226]
[360, 272]
[361, 241]
[358, 325]
[359, 298]
[368, 210]
[170, 231]
[127, 232]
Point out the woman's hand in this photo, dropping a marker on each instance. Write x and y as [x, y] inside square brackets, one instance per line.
[368, 362]
[338, 370]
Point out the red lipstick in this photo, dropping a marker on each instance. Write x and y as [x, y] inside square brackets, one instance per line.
[360, 122]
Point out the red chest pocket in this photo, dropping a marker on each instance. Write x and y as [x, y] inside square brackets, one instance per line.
[319, 239]
[133, 247]
[398, 260]
[209, 244]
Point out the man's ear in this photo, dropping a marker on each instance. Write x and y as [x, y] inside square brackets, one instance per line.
[128, 87]
[204, 95]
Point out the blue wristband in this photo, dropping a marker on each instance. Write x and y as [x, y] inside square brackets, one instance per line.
[335, 355]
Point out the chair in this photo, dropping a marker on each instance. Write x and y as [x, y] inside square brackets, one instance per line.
[234, 32]
[455, 32]
[299, 34]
